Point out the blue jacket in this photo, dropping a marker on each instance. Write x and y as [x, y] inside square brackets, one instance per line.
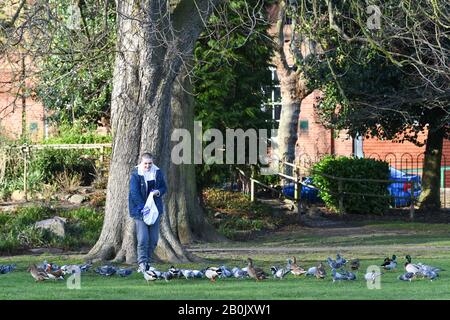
[138, 193]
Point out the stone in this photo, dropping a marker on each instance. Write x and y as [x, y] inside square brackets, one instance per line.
[18, 195]
[77, 199]
[55, 225]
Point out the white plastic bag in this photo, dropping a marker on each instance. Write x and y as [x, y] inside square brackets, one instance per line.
[150, 210]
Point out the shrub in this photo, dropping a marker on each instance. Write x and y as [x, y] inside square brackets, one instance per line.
[361, 168]
[52, 162]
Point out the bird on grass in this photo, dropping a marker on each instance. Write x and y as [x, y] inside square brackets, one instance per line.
[7, 268]
[239, 273]
[408, 276]
[226, 273]
[175, 272]
[255, 273]
[338, 276]
[320, 271]
[54, 274]
[106, 270]
[390, 264]
[372, 276]
[279, 273]
[123, 272]
[37, 273]
[355, 264]
[296, 270]
[410, 267]
[213, 273]
[150, 275]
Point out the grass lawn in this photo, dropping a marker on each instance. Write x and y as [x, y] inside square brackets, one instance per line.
[369, 242]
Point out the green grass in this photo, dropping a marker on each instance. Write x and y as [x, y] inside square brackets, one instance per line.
[425, 243]
[20, 285]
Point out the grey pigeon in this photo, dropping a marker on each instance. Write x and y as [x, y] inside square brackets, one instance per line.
[124, 272]
[106, 270]
[408, 276]
[7, 268]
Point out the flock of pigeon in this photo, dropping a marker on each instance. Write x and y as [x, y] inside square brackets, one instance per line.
[47, 271]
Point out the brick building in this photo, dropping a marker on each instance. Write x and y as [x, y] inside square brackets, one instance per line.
[12, 103]
[314, 141]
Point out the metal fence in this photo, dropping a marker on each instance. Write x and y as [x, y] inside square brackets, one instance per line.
[408, 163]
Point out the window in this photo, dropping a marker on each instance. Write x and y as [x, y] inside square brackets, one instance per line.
[303, 126]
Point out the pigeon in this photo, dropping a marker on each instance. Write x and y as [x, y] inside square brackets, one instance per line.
[311, 271]
[334, 264]
[340, 260]
[197, 274]
[339, 276]
[106, 270]
[430, 274]
[408, 276]
[37, 273]
[124, 272]
[371, 276]
[7, 268]
[167, 275]
[239, 273]
[226, 273]
[188, 274]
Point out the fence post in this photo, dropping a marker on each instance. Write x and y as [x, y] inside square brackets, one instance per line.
[341, 197]
[252, 190]
[411, 208]
[25, 150]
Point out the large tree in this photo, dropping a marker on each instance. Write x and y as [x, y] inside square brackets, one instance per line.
[154, 40]
[385, 72]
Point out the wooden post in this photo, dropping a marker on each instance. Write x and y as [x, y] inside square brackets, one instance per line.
[252, 190]
[341, 197]
[411, 207]
[25, 150]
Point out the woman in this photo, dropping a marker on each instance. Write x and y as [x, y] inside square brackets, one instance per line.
[145, 178]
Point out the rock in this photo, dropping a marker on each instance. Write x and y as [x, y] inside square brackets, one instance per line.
[77, 199]
[18, 195]
[55, 225]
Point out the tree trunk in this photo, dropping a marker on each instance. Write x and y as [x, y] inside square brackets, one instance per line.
[430, 198]
[151, 47]
[187, 219]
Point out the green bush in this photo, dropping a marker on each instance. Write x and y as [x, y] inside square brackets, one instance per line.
[77, 133]
[50, 162]
[361, 168]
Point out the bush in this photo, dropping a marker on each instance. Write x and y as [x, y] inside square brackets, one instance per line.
[52, 162]
[361, 168]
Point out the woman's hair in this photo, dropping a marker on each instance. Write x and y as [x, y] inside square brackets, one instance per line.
[146, 156]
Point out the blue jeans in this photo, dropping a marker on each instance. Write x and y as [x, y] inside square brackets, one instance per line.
[147, 239]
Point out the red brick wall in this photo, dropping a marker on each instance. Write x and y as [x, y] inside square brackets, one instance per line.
[314, 143]
[11, 107]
